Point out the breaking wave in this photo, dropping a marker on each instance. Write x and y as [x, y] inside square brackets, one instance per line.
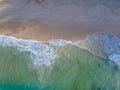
[89, 64]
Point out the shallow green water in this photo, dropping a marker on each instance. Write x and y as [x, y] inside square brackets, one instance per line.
[74, 69]
[77, 69]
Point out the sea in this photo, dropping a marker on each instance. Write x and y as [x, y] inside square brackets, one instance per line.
[89, 64]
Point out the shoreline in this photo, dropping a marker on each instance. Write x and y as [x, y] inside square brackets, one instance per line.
[71, 22]
[44, 31]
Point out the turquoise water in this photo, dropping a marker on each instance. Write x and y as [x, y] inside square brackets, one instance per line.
[74, 69]
[18, 87]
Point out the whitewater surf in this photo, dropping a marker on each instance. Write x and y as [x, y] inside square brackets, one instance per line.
[66, 59]
[60, 64]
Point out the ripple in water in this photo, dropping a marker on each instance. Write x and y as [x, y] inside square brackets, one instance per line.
[72, 68]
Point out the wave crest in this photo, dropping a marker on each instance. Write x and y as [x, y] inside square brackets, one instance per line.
[106, 45]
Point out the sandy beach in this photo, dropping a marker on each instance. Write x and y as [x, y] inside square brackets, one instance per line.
[56, 45]
[47, 21]
[48, 31]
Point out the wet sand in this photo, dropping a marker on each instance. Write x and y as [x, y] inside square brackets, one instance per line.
[69, 23]
[43, 31]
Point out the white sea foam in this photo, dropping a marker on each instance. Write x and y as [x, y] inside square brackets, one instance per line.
[40, 53]
[59, 42]
[115, 58]
[104, 44]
